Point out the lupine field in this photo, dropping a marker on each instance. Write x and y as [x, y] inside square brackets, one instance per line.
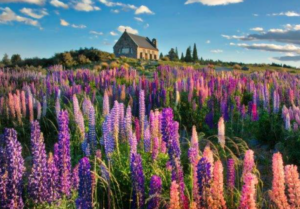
[180, 138]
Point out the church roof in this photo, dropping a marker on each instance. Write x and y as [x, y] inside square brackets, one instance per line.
[142, 42]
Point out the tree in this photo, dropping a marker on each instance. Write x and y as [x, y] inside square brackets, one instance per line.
[172, 55]
[161, 56]
[188, 55]
[176, 51]
[82, 59]
[182, 57]
[6, 60]
[67, 59]
[16, 59]
[195, 54]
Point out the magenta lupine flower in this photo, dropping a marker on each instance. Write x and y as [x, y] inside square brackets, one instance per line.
[64, 162]
[105, 104]
[128, 121]
[137, 129]
[155, 192]
[254, 114]
[15, 170]
[23, 101]
[137, 179]
[248, 199]
[230, 174]
[142, 111]
[75, 177]
[36, 181]
[147, 138]
[155, 148]
[52, 179]
[84, 200]
[248, 164]
[92, 130]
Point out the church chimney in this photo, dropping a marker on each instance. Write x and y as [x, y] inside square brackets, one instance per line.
[154, 42]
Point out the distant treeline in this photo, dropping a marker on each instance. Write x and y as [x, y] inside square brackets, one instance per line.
[83, 56]
[192, 56]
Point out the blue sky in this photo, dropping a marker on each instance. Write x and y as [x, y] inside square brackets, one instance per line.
[230, 30]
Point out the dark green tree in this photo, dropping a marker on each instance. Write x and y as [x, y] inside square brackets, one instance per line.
[161, 56]
[182, 57]
[6, 60]
[195, 54]
[172, 55]
[188, 55]
[176, 51]
[16, 59]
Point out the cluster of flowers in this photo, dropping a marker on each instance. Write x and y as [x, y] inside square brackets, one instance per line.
[291, 117]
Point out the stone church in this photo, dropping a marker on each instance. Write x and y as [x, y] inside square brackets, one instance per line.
[138, 47]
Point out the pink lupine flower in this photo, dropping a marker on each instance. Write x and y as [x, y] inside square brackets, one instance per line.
[23, 101]
[293, 185]
[277, 194]
[248, 199]
[174, 196]
[30, 107]
[221, 132]
[218, 186]
[249, 163]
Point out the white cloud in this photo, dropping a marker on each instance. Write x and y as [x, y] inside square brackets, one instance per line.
[78, 26]
[86, 6]
[57, 3]
[64, 23]
[128, 29]
[143, 10]
[113, 33]
[108, 3]
[96, 33]
[8, 16]
[289, 48]
[37, 14]
[287, 14]
[139, 19]
[147, 26]
[116, 11]
[208, 41]
[255, 15]
[214, 2]
[216, 51]
[233, 37]
[38, 2]
[258, 29]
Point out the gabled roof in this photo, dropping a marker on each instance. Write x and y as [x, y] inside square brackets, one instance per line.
[142, 42]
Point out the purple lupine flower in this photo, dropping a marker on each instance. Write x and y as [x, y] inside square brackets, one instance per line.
[133, 144]
[128, 121]
[230, 174]
[36, 187]
[155, 148]
[57, 107]
[122, 133]
[64, 161]
[155, 192]
[108, 140]
[3, 176]
[142, 111]
[147, 138]
[75, 177]
[166, 125]
[104, 172]
[203, 175]
[105, 104]
[86, 106]
[15, 170]
[115, 124]
[44, 106]
[92, 130]
[174, 148]
[52, 179]
[137, 179]
[84, 200]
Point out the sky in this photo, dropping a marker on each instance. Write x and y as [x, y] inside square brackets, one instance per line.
[250, 31]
